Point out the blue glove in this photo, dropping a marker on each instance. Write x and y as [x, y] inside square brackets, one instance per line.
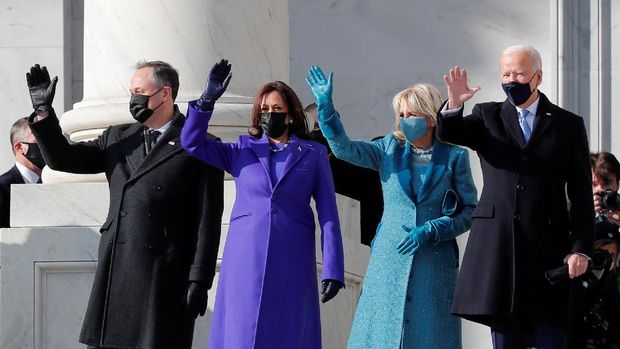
[414, 238]
[219, 77]
[321, 89]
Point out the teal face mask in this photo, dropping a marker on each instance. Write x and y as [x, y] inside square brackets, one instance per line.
[413, 128]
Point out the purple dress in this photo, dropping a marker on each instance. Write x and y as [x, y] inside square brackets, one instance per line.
[267, 295]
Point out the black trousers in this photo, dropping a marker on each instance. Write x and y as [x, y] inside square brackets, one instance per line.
[511, 335]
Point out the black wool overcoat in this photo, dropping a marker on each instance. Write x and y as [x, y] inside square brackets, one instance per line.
[162, 231]
[523, 224]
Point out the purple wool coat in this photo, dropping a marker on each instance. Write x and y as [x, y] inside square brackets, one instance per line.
[267, 294]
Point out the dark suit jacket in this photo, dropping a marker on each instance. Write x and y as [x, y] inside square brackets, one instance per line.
[361, 184]
[12, 176]
[162, 231]
[523, 224]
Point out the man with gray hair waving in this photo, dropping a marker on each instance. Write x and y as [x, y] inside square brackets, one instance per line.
[534, 155]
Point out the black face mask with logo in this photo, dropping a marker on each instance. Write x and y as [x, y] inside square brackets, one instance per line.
[273, 124]
[138, 106]
[34, 155]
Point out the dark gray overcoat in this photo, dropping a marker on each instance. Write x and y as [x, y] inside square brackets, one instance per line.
[523, 224]
[162, 231]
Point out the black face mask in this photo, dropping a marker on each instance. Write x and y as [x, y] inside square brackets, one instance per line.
[34, 155]
[517, 92]
[138, 106]
[273, 124]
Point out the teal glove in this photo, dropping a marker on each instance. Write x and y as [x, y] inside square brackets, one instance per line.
[414, 238]
[321, 90]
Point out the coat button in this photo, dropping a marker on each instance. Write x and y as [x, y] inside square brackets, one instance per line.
[123, 213]
[156, 188]
[408, 298]
[406, 321]
[517, 217]
[523, 158]
[520, 187]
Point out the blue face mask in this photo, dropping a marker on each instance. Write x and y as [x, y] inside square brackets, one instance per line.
[413, 128]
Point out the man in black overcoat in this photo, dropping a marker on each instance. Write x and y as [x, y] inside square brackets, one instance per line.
[27, 168]
[159, 243]
[534, 156]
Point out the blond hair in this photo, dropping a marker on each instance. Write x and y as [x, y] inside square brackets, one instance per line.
[423, 98]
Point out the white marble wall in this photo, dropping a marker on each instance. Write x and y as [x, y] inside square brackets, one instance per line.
[47, 263]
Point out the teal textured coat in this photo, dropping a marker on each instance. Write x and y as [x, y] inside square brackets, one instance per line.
[406, 300]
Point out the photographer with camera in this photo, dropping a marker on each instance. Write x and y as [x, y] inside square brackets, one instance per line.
[597, 316]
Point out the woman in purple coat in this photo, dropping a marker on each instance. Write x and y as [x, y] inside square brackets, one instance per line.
[267, 293]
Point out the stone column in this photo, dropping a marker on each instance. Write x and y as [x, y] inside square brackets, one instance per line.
[191, 35]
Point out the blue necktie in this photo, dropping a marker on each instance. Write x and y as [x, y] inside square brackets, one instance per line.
[527, 131]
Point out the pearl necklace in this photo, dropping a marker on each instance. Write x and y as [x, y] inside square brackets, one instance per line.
[421, 151]
[275, 149]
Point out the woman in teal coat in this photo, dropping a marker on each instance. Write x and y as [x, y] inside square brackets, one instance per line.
[429, 197]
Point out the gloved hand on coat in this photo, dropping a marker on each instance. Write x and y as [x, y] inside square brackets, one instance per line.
[414, 238]
[195, 301]
[330, 289]
[219, 77]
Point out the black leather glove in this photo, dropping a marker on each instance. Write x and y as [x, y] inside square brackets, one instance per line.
[219, 77]
[41, 89]
[329, 289]
[195, 302]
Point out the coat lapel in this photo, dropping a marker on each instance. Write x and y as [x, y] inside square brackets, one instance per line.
[168, 145]
[543, 120]
[297, 149]
[133, 145]
[17, 176]
[435, 170]
[511, 122]
[260, 148]
[403, 170]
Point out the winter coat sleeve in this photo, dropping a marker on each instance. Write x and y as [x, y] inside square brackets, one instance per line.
[579, 192]
[82, 157]
[453, 128]
[449, 227]
[331, 239]
[209, 230]
[195, 141]
[360, 153]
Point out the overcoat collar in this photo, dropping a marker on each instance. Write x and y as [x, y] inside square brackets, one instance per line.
[434, 171]
[168, 145]
[297, 149]
[542, 121]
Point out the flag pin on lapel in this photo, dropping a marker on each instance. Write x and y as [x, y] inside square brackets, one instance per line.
[548, 114]
[299, 148]
[171, 143]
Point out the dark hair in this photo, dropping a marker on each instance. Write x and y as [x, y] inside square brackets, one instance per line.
[605, 164]
[163, 75]
[298, 127]
[19, 131]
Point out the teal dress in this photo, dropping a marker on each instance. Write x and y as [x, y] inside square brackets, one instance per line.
[406, 300]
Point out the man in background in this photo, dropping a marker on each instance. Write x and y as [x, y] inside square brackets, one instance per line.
[27, 168]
